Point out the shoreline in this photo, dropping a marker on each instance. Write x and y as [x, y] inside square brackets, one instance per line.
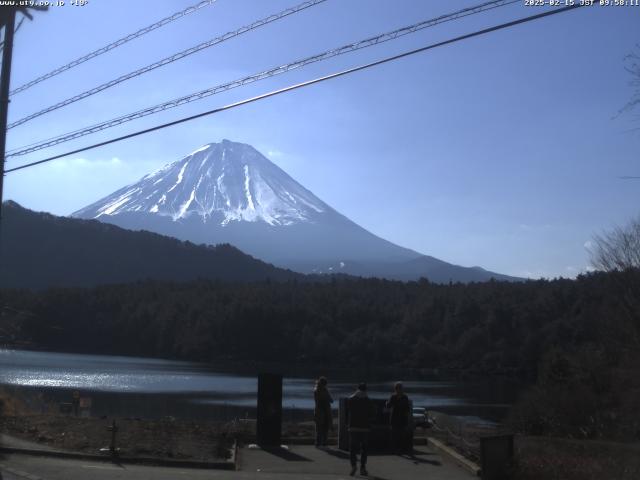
[184, 405]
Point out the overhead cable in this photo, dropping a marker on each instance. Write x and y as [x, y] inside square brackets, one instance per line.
[304, 84]
[115, 44]
[369, 42]
[169, 59]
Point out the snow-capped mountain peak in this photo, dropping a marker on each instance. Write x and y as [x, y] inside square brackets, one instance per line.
[228, 192]
[220, 182]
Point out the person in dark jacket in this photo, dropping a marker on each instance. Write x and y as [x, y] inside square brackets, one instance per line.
[399, 418]
[322, 412]
[360, 410]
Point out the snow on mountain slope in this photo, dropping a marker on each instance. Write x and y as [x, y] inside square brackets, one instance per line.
[222, 182]
[228, 192]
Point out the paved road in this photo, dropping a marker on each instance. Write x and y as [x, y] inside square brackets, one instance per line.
[21, 467]
[299, 462]
[15, 442]
[309, 462]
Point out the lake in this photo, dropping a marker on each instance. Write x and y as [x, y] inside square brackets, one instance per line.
[153, 387]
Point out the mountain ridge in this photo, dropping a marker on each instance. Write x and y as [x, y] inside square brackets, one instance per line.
[228, 192]
[41, 250]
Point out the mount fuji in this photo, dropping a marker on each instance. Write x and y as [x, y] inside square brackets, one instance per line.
[229, 192]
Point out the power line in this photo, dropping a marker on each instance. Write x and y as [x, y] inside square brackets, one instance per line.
[170, 59]
[305, 84]
[115, 44]
[260, 76]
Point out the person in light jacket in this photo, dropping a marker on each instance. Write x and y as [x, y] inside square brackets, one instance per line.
[322, 412]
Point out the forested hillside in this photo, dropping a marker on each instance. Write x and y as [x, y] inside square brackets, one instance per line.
[494, 326]
[577, 338]
[40, 250]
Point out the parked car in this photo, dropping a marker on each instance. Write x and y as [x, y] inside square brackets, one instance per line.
[420, 417]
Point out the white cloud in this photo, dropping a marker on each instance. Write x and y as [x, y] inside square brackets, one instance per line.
[588, 245]
[532, 274]
[528, 227]
[575, 271]
[68, 184]
[114, 162]
[274, 153]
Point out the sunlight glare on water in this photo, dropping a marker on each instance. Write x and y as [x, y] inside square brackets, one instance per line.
[196, 381]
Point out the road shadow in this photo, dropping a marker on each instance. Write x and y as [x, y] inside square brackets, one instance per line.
[417, 460]
[116, 461]
[420, 452]
[414, 457]
[285, 454]
[337, 453]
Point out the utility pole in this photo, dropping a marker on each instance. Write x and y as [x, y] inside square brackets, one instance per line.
[5, 77]
[8, 21]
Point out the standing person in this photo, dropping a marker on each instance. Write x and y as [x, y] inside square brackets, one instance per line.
[399, 419]
[322, 411]
[359, 412]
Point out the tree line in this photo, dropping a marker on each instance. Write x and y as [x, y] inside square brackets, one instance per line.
[576, 342]
[487, 327]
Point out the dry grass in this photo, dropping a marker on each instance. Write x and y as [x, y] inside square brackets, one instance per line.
[559, 459]
[30, 418]
[166, 438]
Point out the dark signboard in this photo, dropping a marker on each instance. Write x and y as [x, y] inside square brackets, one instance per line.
[268, 428]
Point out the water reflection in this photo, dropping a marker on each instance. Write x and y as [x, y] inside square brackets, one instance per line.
[197, 385]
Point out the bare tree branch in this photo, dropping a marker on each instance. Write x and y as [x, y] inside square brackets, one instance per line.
[632, 66]
[618, 249]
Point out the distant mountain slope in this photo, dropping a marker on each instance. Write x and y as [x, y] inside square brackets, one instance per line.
[428, 267]
[39, 250]
[228, 192]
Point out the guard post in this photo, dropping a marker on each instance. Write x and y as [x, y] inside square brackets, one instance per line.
[76, 402]
[112, 446]
[112, 449]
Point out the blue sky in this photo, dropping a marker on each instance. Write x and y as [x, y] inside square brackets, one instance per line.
[502, 151]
